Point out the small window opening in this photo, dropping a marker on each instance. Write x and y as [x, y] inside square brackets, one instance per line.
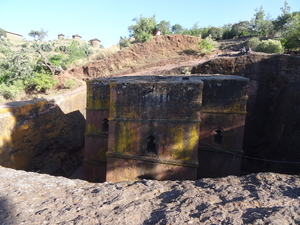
[151, 145]
[218, 137]
[105, 125]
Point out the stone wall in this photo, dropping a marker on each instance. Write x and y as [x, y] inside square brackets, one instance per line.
[272, 129]
[149, 127]
[44, 135]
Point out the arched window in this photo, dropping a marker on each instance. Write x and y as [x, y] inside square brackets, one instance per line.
[105, 125]
[151, 145]
[218, 137]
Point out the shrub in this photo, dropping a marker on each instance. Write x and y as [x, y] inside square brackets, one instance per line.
[41, 82]
[206, 45]
[270, 46]
[25, 45]
[56, 60]
[216, 33]
[16, 67]
[63, 48]
[253, 42]
[69, 83]
[11, 91]
[46, 47]
[86, 50]
[124, 42]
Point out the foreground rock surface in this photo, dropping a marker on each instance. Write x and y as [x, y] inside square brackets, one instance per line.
[30, 198]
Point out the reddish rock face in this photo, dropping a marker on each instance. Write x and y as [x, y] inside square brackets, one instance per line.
[272, 122]
[154, 127]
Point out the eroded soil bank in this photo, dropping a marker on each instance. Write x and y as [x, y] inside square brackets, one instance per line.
[264, 198]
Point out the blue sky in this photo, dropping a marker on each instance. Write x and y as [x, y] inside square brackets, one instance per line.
[108, 20]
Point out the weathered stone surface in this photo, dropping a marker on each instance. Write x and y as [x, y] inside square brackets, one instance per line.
[272, 123]
[154, 126]
[162, 111]
[44, 135]
[264, 198]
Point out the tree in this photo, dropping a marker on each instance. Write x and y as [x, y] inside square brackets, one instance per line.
[2, 33]
[258, 21]
[195, 31]
[262, 26]
[227, 31]
[143, 29]
[177, 29]
[38, 35]
[282, 21]
[293, 32]
[216, 33]
[240, 29]
[164, 27]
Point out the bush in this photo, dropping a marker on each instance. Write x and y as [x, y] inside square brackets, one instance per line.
[25, 45]
[69, 83]
[16, 67]
[63, 48]
[86, 50]
[56, 60]
[206, 45]
[124, 42]
[270, 46]
[215, 33]
[41, 82]
[46, 47]
[253, 42]
[11, 91]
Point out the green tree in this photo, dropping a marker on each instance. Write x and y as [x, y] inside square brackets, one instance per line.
[177, 29]
[261, 24]
[282, 22]
[216, 33]
[2, 33]
[17, 66]
[240, 29]
[227, 31]
[164, 27]
[293, 32]
[195, 30]
[143, 29]
[38, 35]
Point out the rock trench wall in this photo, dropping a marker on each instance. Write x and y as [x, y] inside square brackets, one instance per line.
[44, 135]
[272, 129]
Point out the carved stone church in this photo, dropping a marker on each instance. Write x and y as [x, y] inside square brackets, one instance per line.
[164, 127]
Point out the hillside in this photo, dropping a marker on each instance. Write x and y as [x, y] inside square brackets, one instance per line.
[140, 58]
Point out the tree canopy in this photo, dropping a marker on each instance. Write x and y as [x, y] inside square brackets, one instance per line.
[38, 35]
[143, 29]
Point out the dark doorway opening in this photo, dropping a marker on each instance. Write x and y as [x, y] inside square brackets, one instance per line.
[151, 145]
[218, 137]
[105, 125]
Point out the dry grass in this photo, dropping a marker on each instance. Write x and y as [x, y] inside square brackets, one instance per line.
[99, 54]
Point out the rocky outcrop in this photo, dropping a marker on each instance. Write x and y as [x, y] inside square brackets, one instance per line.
[45, 135]
[264, 198]
[272, 129]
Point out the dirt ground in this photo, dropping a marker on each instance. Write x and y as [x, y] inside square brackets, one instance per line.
[264, 198]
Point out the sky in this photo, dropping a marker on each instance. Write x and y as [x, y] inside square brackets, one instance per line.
[108, 20]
